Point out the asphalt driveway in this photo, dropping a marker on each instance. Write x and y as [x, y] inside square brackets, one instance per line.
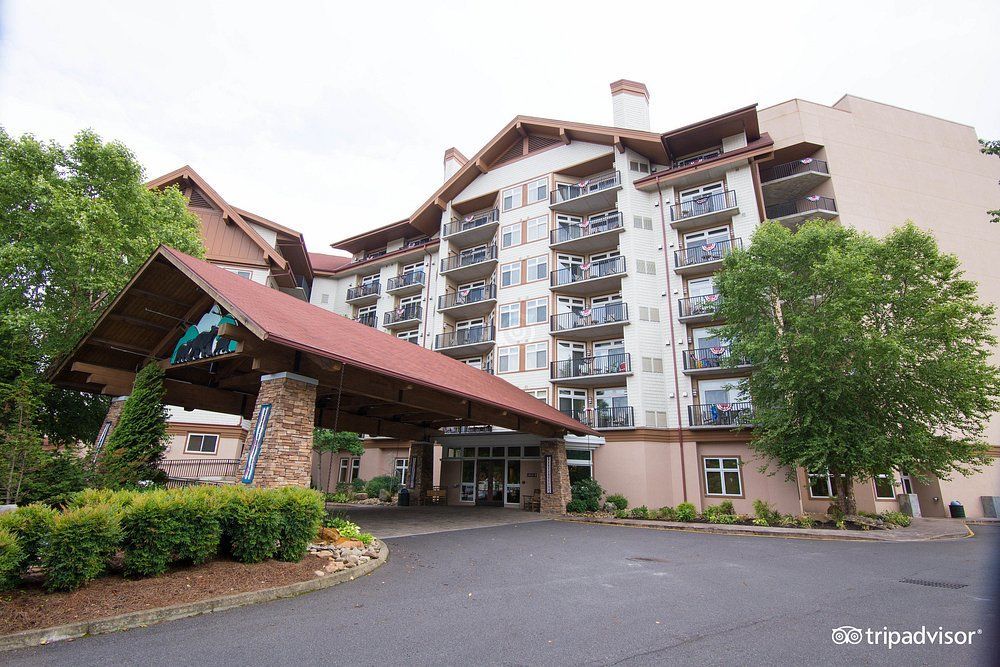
[389, 521]
[567, 593]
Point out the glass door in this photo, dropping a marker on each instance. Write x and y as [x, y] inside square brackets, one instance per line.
[612, 407]
[701, 200]
[513, 496]
[709, 349]
[573, 402]
[706, 246]
[609, 356]
[489, 482]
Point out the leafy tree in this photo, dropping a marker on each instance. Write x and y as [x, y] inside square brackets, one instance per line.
[137, 442]
[870, 354]
[991, 147]
[20, 441]
[55, 479]
[330, 442]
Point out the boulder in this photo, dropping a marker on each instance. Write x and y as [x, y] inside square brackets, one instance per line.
[344, 543]
[328, 535]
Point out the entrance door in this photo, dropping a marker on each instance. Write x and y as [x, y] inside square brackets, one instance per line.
[489, 482]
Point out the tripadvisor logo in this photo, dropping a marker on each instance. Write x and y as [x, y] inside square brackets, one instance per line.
[849, 635]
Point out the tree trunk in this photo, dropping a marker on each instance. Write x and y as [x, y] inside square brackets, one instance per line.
[844, 487]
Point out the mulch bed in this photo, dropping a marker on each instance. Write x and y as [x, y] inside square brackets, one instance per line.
[30, 607]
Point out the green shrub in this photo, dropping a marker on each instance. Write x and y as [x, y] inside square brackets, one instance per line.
[301, 513]
[339, 497]
[765, 511]
[55, 479]
[251, 524]
[622, 514]
[12, 559]
[376, 485]
[163, 527]
[666, 513]
[88, 497]
[787, 521]
[576, 506]
[686, 512]
[348, 529]
[805, 521]
[868, 515]
[724, 508]
[31, 525]
[641, 512]
[760, 521]
[894, 517]
[720, 517]
[79, 546]
[358, 485]
[618, 500]
[589, 492]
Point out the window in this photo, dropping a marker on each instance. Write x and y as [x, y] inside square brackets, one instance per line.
[468, 493]
[538, 268]
[537, 311]
[642, 222]
[820, 485]
[368, 280]
[401, 466]
[573, 402]
[538, 228]
[536, 355]
[510, 235]
[647, 314]
[475, 362]
[511, 198]
[652, 365]
[722, 477]
[355, 468]
[345, 471]
[540, 394]
[656, 419]
[510, 274]
[324, 298]
[538, 190]
[508, 359]
[644, 266]
[638, 166]
[510, 315]
[243, 273]
[581, 464]
[884, 487]
[411, 336]
[202, 443]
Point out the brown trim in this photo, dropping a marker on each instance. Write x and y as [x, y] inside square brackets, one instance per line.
[381, 258]
[753, 149]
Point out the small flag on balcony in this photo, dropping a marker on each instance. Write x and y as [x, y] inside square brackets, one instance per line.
[725, 407]
[585, 267]
[709, 247]
[469, 218]
[711, 298]
[717, 351]
[701, 200]
[585, 312]
[806, 160]
[400, 311]
[585, 224]
[813, 197]
[583, 184]
[463, 293]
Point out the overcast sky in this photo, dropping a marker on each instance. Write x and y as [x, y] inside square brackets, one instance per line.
[333, 119]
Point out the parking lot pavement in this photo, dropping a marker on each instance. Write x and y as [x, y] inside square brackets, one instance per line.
[390, 521]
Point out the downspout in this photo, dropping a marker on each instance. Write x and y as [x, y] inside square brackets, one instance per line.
[670, 317]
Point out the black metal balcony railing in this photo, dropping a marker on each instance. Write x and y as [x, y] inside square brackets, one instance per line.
[467, 295]
[578, 272]
[405, 280]
[565, 191]
[721, 414]
[469, 258]
[609, 417]
[200, 468]
[470, 221]
[467, 336]
[804, 205]
[706, 252]
[411, 311]
[706, 304]
[711, 357]
[793, 168]
[589, 227]
[608, 364]
[720, 201]
[609, 313]
[696, 159]
[367, 319]
[366, 289]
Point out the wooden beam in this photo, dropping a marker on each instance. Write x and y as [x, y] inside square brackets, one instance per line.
[128, 319]
[158, 297]
[376, 427]
[185, 395]
[481, 166]
[121, 347]
[520, 129]
[564, 135]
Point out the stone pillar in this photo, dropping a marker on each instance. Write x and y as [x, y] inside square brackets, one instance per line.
[421, 468]
[556, 495]
[285, 454]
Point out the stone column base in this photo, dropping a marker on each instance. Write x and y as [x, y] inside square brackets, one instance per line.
[285, 447]
[555, 495]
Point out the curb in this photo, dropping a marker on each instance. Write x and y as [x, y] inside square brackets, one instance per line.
[776, 531]
[140, 619]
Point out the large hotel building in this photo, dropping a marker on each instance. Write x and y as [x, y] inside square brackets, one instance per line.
[576, 261]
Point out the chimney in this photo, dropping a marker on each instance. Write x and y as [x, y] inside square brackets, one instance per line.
[453, 161]
[630, 104]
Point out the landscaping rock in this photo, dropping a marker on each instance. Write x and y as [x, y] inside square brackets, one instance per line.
[329, 535]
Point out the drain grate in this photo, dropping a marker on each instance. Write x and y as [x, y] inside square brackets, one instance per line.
[648, 559]
[932, 584]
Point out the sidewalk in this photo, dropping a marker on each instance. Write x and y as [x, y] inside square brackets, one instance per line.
[920, 530]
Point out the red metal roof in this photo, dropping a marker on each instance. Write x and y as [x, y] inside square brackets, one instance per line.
[322, 263]
[303, 326]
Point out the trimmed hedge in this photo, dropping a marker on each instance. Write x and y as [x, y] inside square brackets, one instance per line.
[301, 512]
[12, 558]
[80, 545]
[163, 527]
[31, 525]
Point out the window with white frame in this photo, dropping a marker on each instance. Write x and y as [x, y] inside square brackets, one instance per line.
[510, 235]
[820, 485]
[540, 394]
[646, 267]
[536, 311]
[242, 273]
[538, 268]
[536, 355]
[508, 359]
[511, 198]
[638, 166]
[656, 419]
[647, 314]
[722, 476]
[401, 466]
[580, 463]
[538, 190]
[538, 228]
[510, 315]
[324, 298]
[652, 365]
[885, 488]
[642, 222]
[202, 443]
[343, 475]
[510, 274]
[411, 336]
[355, 469]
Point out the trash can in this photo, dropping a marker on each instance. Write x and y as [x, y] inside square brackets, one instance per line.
[404, 497]
[956, 509]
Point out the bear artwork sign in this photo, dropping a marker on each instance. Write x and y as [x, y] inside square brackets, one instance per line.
[202, 340]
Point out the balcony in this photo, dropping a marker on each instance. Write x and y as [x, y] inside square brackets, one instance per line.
[598, 277]
[711, 361]
[367, 319]
[721, 415]
[797, 211]
[473, 229]
[410, 282]
[469, 303]
[468, 266]
[699, 308]
[704, 258]
[602, 418]
[465, 342]
[403, 316]
[609, 370]
[593, 235]
[793, 180]
[364, 294]
[597, 323]
[594, 193]
[704, 211]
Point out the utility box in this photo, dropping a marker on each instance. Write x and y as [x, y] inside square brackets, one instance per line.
[991, 506]
[909, 504]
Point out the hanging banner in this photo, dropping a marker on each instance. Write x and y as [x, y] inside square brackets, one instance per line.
[101, 438]
[256, 442]
[548, 473]
[202, 340]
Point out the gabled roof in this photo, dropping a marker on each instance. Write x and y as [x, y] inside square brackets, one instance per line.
[326, 264]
